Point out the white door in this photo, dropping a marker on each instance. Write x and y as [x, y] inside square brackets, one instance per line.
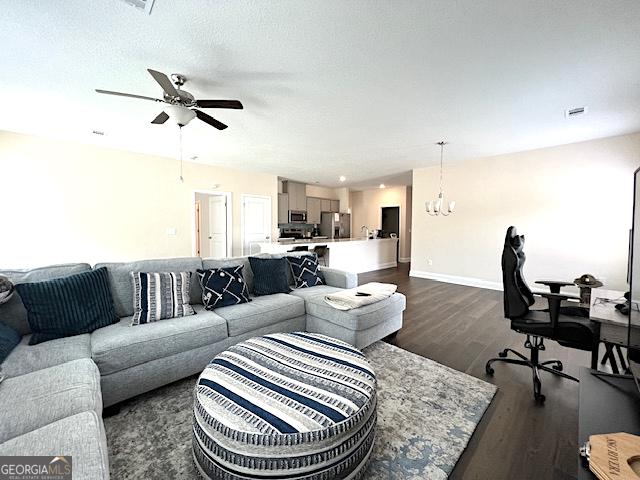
[256, 222]
[218, 226]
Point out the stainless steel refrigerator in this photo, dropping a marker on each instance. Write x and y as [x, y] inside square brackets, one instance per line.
[335, 225]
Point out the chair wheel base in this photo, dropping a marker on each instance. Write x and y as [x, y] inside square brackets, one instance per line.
[540, 398]
[502, 354]
[557, 367]
[490, 371]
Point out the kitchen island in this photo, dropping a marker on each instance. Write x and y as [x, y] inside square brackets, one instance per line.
[351, 254]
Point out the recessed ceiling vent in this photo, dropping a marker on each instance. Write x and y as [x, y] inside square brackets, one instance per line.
[144, 5]
[574, 112]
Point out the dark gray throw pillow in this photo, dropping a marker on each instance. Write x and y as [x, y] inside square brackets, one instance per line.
[269, 275]
[9, 339]
[68, 306]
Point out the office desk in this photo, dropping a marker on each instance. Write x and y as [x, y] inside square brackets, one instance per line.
[607, 405]
[614, 326]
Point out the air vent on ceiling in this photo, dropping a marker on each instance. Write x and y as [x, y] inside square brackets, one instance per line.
[574, 112]
[144, 5]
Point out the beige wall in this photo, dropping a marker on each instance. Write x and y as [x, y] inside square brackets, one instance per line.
[66, 202]
[573, 203]
[366, 210]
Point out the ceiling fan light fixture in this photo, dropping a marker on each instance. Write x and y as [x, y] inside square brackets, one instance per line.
[181, 115]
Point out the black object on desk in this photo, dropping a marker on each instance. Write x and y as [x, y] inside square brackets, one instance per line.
[607, 405]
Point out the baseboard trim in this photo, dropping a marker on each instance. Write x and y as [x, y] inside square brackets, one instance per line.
[458, 280]
[404, 259]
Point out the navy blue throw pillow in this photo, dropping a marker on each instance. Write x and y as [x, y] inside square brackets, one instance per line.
[305, 271]
[222, 287]
[68, 306]
[9, 338]
[269, 275]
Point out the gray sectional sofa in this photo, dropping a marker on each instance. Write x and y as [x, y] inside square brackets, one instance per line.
[52, 397]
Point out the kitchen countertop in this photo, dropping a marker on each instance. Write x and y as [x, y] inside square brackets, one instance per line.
[326, 240]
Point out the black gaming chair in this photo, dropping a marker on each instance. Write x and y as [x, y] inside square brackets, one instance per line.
[569, 326]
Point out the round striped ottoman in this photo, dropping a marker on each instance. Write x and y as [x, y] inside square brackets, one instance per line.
[290, 405]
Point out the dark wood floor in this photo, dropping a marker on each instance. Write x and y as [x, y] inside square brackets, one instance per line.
[462, 327]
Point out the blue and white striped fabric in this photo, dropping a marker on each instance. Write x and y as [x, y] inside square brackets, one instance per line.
[294, 405]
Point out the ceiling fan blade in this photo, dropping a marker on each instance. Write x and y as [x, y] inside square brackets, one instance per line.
[235, 104]
[161, 118]
[108, 92]
[210, 120]
[164, 82]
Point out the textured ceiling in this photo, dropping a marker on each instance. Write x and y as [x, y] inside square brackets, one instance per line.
[360, 88]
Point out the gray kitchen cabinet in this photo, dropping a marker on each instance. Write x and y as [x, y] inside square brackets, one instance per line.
[297, 195]
[283, 208]
[314, 208]
[335, 205]
[326, 205]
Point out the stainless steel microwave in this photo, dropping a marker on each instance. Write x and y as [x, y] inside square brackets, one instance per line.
[297, 216]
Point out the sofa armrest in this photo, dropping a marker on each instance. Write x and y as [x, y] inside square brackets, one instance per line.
[339, 278]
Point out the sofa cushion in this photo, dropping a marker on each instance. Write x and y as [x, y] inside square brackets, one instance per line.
[121, 282]
[9, 339]
[269, 275]
[247, 273]
[68, 306]
[39, 398]
[27, 358]
[222, 287]
[122, 346]
[323, 290]
[358, 318]
[80, 436]
[161, 295]
[262, 311]
[13, 312]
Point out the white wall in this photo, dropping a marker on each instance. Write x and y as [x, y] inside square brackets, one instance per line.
[366, 210]
[573, 203]
[66, 202]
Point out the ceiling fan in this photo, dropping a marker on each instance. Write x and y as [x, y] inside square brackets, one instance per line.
[180, 102]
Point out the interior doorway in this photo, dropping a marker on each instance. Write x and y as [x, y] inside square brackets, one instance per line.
[212, 229]
[256, 222]
[390, 224]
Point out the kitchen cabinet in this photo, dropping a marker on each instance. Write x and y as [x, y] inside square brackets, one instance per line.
[283, 208]
[314, 208]
[335, 205]
[326, 205]
[297, 195]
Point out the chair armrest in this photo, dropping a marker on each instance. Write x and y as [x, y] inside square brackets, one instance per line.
[554, 300]
[554, 285]
[339, 278]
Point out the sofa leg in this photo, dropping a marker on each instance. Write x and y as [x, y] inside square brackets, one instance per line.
[392, 339]
[111, 410]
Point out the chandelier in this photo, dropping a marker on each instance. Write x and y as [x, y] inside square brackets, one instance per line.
[437, 208]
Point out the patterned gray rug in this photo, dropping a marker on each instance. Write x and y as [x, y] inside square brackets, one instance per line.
[426, 415]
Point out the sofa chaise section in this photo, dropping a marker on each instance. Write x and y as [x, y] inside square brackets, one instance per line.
[361, 326]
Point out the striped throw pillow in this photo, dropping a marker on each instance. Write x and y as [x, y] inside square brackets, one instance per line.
[158, 296]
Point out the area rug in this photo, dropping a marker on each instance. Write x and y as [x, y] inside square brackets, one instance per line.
[426, 415]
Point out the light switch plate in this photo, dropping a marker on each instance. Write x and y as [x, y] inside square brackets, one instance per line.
[171, 231]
